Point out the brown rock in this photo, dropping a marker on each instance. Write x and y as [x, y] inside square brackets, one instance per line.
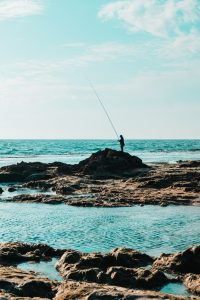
[108, 163]
[187, 261]
[72, 290]
[18, 283]
[117, 268]
[192, 282]
[15, 252]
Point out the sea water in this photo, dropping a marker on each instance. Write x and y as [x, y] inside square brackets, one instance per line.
[72, 151]
[152, 229]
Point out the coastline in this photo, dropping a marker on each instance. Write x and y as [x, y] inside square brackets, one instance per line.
[106, 179]
[121, 274]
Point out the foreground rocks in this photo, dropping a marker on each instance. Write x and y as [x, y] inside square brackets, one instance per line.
[119, 267]
[187, 261]
[122, 274]
[181, 263]
[17, 283]
[72, 290]
[12, 253]
[192, 282]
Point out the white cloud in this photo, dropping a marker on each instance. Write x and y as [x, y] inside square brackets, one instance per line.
[19, 8]
[159, 18]
[183, 46]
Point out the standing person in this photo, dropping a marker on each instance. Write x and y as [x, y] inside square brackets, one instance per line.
[121, 141]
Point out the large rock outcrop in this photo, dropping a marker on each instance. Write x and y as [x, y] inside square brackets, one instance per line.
[120, 267]
[187, 261]
[110, 162]
[104, 163]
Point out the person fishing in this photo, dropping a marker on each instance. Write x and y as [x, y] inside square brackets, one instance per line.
[119, 138]
[121, 141]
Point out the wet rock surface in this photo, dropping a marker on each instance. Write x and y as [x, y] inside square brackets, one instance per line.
[187, 261]
[185, 264]
[12, 253]
[17, 283]
[22, 172]
[39, 198]
[192, 282]
[108, 178]
[72, 290]
[106, 163]
[120, 274]
[121, 267]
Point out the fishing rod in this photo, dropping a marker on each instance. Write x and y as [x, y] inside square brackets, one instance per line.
[102, 105]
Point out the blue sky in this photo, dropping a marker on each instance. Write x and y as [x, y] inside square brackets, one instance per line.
[143, 57]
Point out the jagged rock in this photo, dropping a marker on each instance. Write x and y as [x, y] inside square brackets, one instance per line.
[11, 189]
[39, 198]
[119, 267]
[131, 258]
[36, 288]
[187, 261]
[190, 164]
[110, 162]
[15, 252]
[192, 282]
[17, 283]
[1, 190]
[33, 171]
[72, 290]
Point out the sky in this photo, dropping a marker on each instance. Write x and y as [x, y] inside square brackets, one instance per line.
[142, 56]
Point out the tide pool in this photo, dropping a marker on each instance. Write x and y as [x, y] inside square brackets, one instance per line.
[152, 229]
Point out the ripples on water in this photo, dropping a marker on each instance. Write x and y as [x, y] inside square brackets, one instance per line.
[72, 151]
[152, 229]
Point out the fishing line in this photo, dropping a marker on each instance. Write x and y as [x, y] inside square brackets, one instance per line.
[102, 105]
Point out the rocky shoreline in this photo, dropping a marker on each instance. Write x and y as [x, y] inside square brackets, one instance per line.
[107, 178]
[120, 274]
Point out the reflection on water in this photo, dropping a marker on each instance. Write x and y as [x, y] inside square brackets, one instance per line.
[152, 229]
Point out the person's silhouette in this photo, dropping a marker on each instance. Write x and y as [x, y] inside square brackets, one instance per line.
[122, 144]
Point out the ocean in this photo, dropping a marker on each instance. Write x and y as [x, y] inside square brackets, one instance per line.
[72, 151]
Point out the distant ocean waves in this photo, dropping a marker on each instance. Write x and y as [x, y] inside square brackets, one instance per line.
[72, 151]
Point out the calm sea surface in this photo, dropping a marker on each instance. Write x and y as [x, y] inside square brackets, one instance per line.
[152, 229]
[72, 151]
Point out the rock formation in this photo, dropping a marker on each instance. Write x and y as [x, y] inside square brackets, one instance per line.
[15, 252]
[122, 274]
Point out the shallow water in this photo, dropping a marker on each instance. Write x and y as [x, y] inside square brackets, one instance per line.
[152, 229]
[47, 269]
[175, 288]
[72, 151]
[21, 191]
[44, 268]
